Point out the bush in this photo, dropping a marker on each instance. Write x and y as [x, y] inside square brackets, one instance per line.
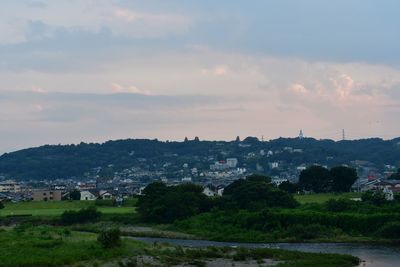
[1, 205]
[110, 238]
[306, 232]
[340, 205]
[374, 197]
[89, 214]
[390, 230]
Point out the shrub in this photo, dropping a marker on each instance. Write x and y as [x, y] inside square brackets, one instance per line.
[374, 197]
[390, 230]
[310, 231]
[84, 215]
[339, 205]
[110, 238]
[1, 205]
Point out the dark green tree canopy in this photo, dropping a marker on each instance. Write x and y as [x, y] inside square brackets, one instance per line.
[374, 197]
[316, 178]
[165, 204]
[289, 187]
[257, 192]
[343, 178]
[321, 180]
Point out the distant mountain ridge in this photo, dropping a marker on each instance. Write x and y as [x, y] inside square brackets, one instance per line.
[76, 161]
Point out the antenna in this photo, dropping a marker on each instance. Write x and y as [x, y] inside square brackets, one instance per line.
[301, 135]
[343, 135]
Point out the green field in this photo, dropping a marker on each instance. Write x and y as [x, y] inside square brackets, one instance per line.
[56, 208]
[321, 198]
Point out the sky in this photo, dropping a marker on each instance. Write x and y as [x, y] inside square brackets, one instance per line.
[95, 70]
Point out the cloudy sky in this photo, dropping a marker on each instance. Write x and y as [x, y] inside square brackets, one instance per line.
[94, 70]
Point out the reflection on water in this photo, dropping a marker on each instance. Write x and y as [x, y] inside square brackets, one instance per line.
[372, 256]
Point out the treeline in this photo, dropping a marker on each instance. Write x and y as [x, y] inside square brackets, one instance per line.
[290, 225]
[335, 220]
[163, 204]
[253, 209]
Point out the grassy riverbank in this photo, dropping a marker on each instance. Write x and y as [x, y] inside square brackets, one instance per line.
[58, 246]
[313, 223]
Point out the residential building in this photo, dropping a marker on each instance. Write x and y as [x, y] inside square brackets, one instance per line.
[46, 195]
[232, 162]
[10, 186]
[88, 195]
[208, 192]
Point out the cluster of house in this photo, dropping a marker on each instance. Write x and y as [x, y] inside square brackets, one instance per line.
[15, 192]
[389, 186]
[221, 165]
[11, 190]
[58, 195]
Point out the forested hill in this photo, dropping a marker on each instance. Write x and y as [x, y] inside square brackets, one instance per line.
[74, 161]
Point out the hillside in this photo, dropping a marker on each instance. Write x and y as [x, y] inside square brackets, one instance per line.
[77, 161]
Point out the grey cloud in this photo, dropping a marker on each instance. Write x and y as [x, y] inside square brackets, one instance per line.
[67, 107]
[63, 50]
[338, 31]
[36, 4]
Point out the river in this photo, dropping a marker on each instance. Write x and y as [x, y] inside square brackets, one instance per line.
[371, 255]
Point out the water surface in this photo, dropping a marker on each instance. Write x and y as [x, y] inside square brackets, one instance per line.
[371, 255]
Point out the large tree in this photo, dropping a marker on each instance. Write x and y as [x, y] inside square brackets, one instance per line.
[316, 178]
[257, 192]
[289, 187]
[162, 204]
[343, 178]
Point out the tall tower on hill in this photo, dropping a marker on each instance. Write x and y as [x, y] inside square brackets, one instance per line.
[301, 135]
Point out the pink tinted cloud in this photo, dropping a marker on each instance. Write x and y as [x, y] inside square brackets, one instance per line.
[118, 88]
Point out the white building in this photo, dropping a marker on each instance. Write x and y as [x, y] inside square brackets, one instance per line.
[208, 192]
[232, 162]
[10, 186]
[273, 165]
[219, 166]
[220, 192]
[87, 195]
[104, 194]
[279, 181]
[301, 168]
[187, 179]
